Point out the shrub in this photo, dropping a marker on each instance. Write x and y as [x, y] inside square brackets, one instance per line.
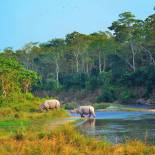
[70, 105]
[126, 94]
[19, 134]
[42, 134]
[108, 94]
[29, 96]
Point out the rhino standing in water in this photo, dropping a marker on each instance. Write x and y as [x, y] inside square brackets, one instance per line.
[85, 110]
[50, 104]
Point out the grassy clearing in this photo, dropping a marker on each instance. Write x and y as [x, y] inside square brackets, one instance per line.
[21, 115]
[24, 107]
[35, 122]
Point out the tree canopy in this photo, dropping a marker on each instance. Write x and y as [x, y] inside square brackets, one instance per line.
[119, 62]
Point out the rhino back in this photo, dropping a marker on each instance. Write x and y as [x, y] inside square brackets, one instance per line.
[53, 103]
[84, 109]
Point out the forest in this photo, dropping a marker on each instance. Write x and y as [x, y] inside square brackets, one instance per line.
[104, 66]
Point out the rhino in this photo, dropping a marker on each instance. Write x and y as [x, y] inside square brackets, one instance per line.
[50, 104]
[84, 110]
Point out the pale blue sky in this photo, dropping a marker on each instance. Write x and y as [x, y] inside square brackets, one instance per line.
[23, 21]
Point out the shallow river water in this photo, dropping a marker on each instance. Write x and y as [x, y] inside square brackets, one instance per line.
[118, 126]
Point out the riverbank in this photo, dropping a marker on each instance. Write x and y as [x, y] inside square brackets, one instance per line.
[32, 132]
[67, 140]
[124, 107]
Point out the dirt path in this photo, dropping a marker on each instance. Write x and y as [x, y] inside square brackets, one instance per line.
[62, 121]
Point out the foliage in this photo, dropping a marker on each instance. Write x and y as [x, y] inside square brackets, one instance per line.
[70, 106]
[143, 77]
[108, 94]
[14, 79]
[120, 58]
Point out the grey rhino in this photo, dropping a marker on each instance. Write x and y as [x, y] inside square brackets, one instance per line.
[50, 104]
[85, 110]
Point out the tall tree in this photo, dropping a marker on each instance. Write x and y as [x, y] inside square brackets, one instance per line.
[76, 42]
[58, 46]
[127, 30]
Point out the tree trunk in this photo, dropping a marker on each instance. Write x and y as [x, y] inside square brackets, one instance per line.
[150, 55]
[77, 60]
[104, 67]
[83, 66]
[126, 61]
[99, 61]
[3, 89]
[87, 68]
[133, 56]
[57, 72]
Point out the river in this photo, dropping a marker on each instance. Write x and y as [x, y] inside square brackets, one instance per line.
[120, 126]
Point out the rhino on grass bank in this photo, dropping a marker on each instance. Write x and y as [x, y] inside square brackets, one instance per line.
[84, 110]
[50, 104]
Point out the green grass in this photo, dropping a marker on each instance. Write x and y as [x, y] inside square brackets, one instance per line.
[22, 114]
[115, 107]
[101, 105]
[15, 123]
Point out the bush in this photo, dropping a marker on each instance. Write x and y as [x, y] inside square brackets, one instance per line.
[29, 96]
[20, 133]
[42, 135]
[126, 94]
[142, 77]
[73, 81]
[70, 105]
[101, 105]
[108, 94]
[19, 136]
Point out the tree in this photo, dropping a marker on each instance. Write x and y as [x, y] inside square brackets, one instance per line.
[127, 31]
[58, 46]
[27, 78]
[149, 45]
[76, 42]
[97, 46]
[14, 78]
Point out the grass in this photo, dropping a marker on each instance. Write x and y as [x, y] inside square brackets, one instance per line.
[22, 115]
[101, 105]
[115, 107]
[67, 140]
[32, 122]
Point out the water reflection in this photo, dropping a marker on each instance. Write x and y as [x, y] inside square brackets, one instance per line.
[118, 127]
[88, 127]
[89, 124]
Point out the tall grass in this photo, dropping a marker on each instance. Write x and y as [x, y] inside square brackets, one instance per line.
[67, 140]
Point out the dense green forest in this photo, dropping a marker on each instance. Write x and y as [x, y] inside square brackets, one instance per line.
[116, 65]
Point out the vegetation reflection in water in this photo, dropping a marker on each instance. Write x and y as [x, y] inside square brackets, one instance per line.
[118, 127]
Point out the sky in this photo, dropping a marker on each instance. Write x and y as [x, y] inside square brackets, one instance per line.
[24, 21]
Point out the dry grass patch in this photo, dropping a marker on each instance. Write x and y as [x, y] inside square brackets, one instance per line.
[67, 140]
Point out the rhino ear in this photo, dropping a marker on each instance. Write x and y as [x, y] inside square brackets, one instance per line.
[76, 110]
[72, 111]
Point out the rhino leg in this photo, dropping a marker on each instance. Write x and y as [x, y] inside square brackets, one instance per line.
[57, 107]
[94, 115]
[82, 115]
[89, 115]
[46, 109]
